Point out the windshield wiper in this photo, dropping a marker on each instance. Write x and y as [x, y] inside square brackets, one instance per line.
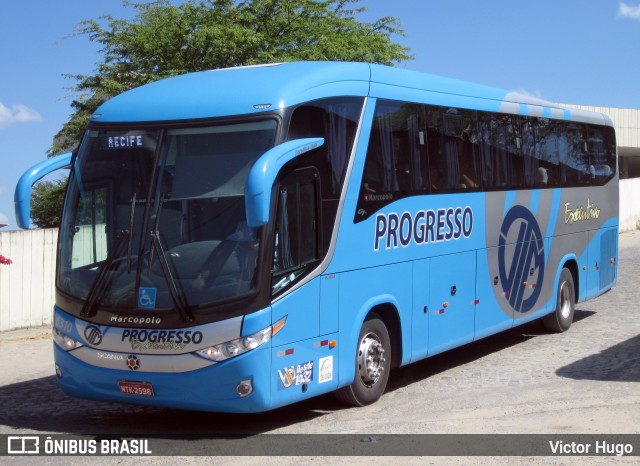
[99, 285]
[156, 228]
[176, 292]
[131, 219]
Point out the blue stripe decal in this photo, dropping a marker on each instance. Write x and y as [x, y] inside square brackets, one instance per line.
[535, 201]
[567, 114]
[553, 217]
[524, 109]
[547, 112]
[509, 200]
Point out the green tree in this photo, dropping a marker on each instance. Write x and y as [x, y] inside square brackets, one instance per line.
[164, 40]
[46, 202]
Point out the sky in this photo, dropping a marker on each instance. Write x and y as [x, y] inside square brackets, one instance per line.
[568, 51]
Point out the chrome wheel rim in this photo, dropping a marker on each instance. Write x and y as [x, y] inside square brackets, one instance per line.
[371, 359]
[565, 300]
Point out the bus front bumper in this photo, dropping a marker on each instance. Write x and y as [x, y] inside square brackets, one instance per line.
[237, 385]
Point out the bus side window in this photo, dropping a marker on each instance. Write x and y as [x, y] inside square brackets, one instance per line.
[602, 154]
[396, 165]
[396, 157]
[540, 152]
[574, 163]
[499, 144]
[453, 149]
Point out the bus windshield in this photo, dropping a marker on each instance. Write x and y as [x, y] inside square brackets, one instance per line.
[155, 219]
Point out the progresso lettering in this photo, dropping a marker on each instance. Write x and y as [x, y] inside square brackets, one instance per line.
[162, 336]
[423, 227]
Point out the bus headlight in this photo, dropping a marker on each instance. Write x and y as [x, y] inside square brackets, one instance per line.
[233, 348]
[65, 341]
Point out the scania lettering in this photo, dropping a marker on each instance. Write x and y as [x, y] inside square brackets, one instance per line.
[241, 239]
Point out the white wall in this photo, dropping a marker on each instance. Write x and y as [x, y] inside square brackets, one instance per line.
[27, 285]
[629, 204]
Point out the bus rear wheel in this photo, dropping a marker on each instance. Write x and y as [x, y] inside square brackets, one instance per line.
[373, 360]
[560, 320]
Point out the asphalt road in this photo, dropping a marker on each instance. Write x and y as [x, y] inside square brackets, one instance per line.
[525, 381]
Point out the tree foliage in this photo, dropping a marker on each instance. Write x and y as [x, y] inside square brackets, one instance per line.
[46, 202]
[164, 40]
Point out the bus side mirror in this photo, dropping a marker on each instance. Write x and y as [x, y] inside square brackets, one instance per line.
[263, 175]
[22, 197]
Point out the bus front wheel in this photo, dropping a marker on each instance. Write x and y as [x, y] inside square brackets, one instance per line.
[373, 360]
[560, 320]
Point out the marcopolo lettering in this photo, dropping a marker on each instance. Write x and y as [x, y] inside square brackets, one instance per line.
[162, 336]
[423, 227]
[118, 319]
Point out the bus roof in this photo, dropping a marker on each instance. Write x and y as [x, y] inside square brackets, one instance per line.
[255, 89]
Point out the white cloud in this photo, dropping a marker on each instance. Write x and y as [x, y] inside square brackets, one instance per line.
[628, 11]
[18, 113]
[536, 94]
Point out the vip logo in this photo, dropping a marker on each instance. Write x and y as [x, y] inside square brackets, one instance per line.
[520, 226]
[93, 335]
[287, 376]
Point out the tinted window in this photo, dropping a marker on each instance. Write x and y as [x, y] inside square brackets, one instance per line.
[396, 165]
[574, 166]
[499, 143]
[335, 120]
[602, 154]
[296, 241]
[540, 152]
[396, 159]
[416, 149]
[453, 149]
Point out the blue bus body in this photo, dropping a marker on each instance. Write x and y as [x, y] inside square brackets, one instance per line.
[439, 263]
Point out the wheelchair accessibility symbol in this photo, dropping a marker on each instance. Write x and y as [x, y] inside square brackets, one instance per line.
[147, 297]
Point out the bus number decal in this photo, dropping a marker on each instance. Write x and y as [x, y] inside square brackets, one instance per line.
[423, 227]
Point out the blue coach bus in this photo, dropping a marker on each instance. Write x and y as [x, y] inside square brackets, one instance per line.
[240, 239]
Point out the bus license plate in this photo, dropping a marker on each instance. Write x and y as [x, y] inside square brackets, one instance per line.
[136, 388]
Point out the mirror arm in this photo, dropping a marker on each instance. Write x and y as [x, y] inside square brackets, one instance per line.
[22, 197]
[263, 174]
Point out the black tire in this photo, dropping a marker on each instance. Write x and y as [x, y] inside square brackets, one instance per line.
[373, 361]
[560, 320]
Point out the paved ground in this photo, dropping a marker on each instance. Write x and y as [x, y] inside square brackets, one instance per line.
[586, 380]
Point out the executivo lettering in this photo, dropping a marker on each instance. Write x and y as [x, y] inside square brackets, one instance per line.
[581, 213]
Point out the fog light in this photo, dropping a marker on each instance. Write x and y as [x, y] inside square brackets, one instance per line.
[244, 388]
